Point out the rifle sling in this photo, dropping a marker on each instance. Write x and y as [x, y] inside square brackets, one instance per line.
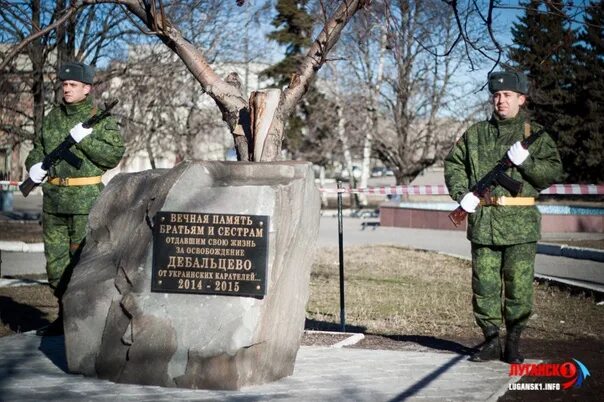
[527, 129]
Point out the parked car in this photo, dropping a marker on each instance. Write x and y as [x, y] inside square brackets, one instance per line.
[345, 175]
[378, 171]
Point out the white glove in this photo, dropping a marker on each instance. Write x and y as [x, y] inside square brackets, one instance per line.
[517, 153]
[36, 173]
[78, 132]
[469, 202]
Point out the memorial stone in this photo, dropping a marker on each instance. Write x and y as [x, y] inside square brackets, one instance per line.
[215, 298]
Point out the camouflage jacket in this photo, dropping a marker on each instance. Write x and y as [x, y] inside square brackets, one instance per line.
[476, 153]
[100, 151]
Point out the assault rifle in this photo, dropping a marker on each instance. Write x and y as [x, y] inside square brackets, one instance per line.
[63, 153]
[496, 176]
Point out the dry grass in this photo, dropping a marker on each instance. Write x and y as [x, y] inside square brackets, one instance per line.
[25, 308]
[26, 231]
[389, 291]
[397, 291]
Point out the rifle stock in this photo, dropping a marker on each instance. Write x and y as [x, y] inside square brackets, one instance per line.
[458, 216]
[27, 186]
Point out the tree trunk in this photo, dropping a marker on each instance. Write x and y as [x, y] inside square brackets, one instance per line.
[36, 55]
[344, 139]
[149, 148]
[65, 43]
[372, 118]
[322, 185]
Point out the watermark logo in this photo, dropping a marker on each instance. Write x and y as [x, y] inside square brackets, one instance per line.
[577, 372]
[572, 374]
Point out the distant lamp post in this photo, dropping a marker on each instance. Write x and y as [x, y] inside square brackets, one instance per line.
[356, 175]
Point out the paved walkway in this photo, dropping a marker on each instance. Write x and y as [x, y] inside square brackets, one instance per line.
[581, 272]
[34, 369]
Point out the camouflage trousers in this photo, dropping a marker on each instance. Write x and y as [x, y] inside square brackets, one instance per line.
[502, 284]
[63, 240]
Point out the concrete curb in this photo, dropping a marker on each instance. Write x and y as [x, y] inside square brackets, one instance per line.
[352, 339]
[562, 250]
[21, 247]
[556, 250]
[13, 283]
[572, 282]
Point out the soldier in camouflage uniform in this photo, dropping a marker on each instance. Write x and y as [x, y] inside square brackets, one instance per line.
[504, 233]
[69, 193]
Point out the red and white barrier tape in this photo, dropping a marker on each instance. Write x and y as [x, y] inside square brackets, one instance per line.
[579, 189]
[9, 185]
[441, 189]
[436, 189]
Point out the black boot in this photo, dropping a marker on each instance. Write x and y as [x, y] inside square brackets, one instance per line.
[55, 328]
[511, 354]
[491, 348]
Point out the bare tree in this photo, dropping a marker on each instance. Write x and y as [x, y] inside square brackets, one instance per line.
[228, 96]
[26, 75]
[161, 108]
[363, 47]
[341, 102]
[477, 34]
[420, 105]
[475, 31]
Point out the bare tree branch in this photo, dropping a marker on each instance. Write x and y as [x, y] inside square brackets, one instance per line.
[19, 47]
[312, 62]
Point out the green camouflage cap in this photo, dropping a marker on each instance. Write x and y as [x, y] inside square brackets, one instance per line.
[77, 72]
[508, 81]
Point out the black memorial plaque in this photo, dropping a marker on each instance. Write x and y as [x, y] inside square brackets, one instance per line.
[206, 253]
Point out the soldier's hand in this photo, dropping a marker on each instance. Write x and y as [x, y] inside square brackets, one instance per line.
[518, 154]
[78, 132]
[36, 173]
[469, 202]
